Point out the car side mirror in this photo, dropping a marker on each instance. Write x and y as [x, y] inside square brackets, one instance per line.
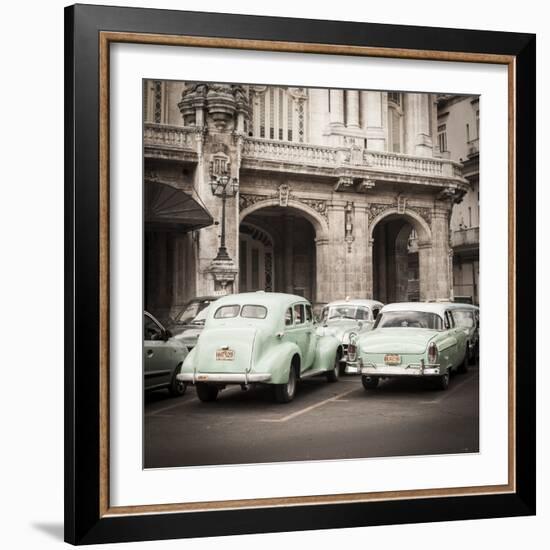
[167, 334]
[360, 324]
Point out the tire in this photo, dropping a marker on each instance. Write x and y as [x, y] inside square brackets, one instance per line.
[370, 382]
[463, 367]
[177, 388]
[334, 374]
[442, 382]
[206, 392]
[284, 393]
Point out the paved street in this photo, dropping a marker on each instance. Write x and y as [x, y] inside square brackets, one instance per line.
[325, 421]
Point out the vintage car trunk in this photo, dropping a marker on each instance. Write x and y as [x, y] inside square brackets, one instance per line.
[397, 340]
[228, 350]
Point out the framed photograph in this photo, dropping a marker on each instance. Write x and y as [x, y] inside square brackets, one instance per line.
[299, 274]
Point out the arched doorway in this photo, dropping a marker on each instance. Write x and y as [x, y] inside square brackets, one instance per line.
[396, 262]
[277, 252]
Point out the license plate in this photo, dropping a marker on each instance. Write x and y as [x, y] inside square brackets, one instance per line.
[352, 369]
[392, 359]
[225, 355]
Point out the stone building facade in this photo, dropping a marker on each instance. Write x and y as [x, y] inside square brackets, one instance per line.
[340, 193]
[458, 137]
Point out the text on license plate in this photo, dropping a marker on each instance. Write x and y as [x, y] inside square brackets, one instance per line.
[225, 354]
[392, 359]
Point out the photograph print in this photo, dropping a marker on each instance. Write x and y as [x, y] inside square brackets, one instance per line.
[310, 273]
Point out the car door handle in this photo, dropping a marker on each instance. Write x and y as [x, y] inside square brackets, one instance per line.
[149, 353]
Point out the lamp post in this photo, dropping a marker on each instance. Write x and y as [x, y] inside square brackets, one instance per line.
[223, 185]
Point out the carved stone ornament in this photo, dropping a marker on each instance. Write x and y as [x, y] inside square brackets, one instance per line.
[284, 194]
[248, 199]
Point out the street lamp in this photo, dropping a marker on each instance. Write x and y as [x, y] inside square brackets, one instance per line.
[223, 185]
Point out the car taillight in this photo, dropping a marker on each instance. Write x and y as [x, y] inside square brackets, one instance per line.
[352, 347]
[432, 353]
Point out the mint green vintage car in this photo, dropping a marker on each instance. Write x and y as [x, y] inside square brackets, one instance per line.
[259, 338]
[410, 340]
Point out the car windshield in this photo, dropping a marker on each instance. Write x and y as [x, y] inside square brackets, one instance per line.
[200, 318]
[464, 318]
[331, 313]
[248, 311]
[190, 311]
[409, 319]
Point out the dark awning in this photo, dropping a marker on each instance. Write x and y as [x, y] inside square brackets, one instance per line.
[168, 208]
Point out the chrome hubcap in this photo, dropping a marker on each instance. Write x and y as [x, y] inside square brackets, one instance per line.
[291, 383]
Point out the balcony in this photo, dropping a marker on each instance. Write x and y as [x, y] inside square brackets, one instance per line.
[465, 238]
[360, 168]
[347, 167]
[170, 142]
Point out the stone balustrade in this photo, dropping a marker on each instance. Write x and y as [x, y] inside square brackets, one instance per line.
[395, 162]
[165, 135]
[183, 138]
[289, 152]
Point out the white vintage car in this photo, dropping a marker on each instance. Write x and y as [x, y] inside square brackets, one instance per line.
[345, 318]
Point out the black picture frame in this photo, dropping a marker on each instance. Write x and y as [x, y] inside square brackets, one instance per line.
[84, 521]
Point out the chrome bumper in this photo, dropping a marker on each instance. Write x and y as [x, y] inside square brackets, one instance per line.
[412, 369]
[224, 378]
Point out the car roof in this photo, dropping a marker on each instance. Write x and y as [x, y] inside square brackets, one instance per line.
[458, 305]
[260, 298]
[355, 302]
[428, 307]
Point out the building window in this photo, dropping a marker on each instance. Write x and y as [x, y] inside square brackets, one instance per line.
[467, 132]
[477, 123]
[280, 114]
[442, 137]
[158, 101]
[394, 98]
[394, 130]
[470, 216]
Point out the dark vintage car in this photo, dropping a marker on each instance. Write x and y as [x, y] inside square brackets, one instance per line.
[190, 334]
[163, 356]
[182, 318]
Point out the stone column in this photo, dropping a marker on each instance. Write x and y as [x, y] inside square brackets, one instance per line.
[324, 267]
[352, 108]
[369, 276]
[425, 271]
[289, 254]
[380, 264]
[337, 251]
[360, 271]
[440, 252]
[418, 140]
[336, 107]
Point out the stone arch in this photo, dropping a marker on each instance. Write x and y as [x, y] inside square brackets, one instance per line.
[416, 220]
[395, 266]
[319, 223]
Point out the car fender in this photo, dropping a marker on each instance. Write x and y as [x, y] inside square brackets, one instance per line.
[276, 361]
[189, 361]
[325, 353]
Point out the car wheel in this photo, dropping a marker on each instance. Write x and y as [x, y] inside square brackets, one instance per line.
[370, 382]
[334, 374]
[463, 367]
[284, 393]
[206, 392]
[177, 388]
[442, 382]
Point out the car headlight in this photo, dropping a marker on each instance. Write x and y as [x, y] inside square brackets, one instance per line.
[352, 347]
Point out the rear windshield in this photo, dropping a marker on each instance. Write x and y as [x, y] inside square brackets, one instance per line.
[409, 319]
[248, 311]
[464, 318]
